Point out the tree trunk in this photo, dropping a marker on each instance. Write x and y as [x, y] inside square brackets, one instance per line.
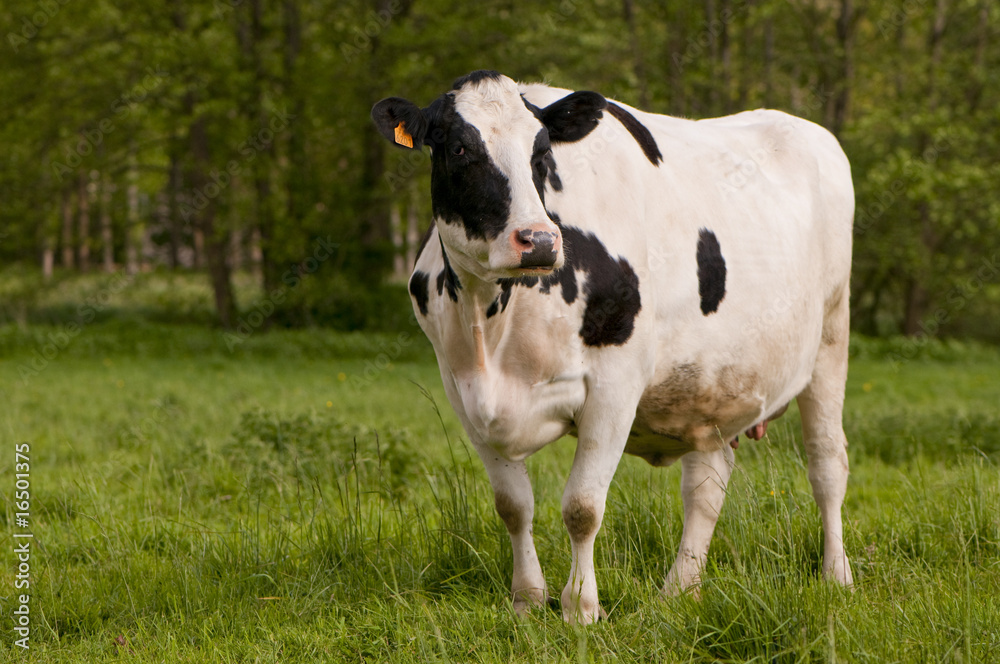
[216, 239]
[743, 83]
[398, 257]
[375, 231]
[638, 64]
[256, 256]
[845, 39]
[197, 247]
[979, 74]
[917, 296]
[236, 251]
[67, 229]
[713, 56]
[133, 233]
[768, 62]
[252, 44]
[107, 232]
[901, 59]
[298, 177]
[83, 215]
[48, 257]
[174, 182]
[725, 57]
[677, 47]
[915, 308]
[412, 229]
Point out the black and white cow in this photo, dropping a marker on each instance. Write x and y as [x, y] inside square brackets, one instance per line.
[651, 285]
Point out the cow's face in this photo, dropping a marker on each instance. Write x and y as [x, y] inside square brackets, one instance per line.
[490, 152]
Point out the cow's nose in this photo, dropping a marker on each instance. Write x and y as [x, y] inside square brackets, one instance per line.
[538, 248]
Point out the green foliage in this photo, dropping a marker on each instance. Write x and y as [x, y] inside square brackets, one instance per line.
[108, 98]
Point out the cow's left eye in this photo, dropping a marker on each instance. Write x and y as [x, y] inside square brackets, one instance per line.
[458, 150]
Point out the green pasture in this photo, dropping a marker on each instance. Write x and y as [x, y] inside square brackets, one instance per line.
[309, 496]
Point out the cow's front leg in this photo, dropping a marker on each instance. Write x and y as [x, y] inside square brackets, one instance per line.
[703, 488]
[598, 452]
[515, 503]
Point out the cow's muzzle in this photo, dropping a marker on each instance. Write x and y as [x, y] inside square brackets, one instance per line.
[539, 249]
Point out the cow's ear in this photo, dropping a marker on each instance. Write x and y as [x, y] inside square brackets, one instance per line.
[572, 117]
[400, 121]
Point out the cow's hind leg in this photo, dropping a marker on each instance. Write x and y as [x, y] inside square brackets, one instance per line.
[821, 405]
[515, 503]
[703, 488]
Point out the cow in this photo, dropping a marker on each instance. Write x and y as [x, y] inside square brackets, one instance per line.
[650, 285]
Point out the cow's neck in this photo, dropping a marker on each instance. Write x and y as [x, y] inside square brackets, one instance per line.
[482, 331]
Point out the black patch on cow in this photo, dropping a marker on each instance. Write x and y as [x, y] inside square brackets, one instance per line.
[475, 77]
[565, 279]
[447, 278]
[611, 289]
[711, 272]
[639, 133]
[494, 308]
[499, 305]
[572, 117]
[543, 164]
[419, 289]
[537, 112]
[467, 188]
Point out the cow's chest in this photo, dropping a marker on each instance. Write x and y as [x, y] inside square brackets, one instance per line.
[513, 416]
[514, 392]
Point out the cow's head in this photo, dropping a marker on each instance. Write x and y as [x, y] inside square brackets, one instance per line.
[490, 153]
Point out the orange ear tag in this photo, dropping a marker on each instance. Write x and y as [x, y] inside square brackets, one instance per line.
[402, 137]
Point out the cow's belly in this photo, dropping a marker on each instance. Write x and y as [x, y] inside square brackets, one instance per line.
[698, 408]
[513, 417]
[662, 435]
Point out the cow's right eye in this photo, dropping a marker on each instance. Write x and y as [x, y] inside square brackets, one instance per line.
[458, 150]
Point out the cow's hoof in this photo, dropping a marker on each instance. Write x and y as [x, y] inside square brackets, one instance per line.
[526, 600]
[579, 617]
[691, 588]
[840, 572]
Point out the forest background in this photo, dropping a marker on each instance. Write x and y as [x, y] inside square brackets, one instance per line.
[231, 138]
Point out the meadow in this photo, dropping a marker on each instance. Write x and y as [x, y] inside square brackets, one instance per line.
[309, 496]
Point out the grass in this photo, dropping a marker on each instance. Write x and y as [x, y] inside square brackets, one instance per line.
[310, 497]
